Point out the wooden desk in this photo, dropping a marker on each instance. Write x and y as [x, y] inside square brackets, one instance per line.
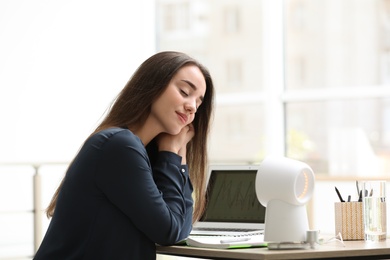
[352, 250]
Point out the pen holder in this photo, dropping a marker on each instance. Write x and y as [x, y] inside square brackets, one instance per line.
[349, 220]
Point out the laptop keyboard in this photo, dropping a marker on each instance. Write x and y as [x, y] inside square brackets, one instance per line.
[227, 229]
[226, 232]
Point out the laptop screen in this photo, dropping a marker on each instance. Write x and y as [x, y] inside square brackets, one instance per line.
[231, 197]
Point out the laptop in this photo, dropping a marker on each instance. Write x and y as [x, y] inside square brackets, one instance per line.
[232, 207]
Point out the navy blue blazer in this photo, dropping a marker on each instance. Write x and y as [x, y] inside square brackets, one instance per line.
[115, 204]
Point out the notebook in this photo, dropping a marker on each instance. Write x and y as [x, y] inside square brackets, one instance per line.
[232, 206]
[226, 242]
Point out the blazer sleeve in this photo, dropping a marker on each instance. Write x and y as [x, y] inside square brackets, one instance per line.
[156, 200]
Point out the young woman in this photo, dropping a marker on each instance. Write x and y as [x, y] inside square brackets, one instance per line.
[130, 186]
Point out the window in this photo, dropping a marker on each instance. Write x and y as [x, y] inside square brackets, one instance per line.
[233, 73]
[175, 16]
[336, 69]
[232, 19]
[302, 78]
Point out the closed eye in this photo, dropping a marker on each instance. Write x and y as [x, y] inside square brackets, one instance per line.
[183, 93]
[193, 87]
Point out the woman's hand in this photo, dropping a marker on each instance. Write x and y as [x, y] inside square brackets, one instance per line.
[176, 143]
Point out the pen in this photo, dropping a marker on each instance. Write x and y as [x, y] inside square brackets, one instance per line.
[235, 239]
[357, 187]
[338, 194]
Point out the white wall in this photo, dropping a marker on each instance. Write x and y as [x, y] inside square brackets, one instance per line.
[61, 64]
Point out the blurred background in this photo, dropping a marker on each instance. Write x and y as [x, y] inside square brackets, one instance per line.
[308, 79]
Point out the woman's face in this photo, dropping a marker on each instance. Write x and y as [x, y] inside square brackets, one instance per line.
[177, 105]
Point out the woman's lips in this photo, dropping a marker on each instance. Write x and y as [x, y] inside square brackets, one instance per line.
[182, 117]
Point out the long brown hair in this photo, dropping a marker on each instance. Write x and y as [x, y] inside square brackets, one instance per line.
[132, 107]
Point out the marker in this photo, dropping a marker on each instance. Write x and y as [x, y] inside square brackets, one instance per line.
[338, 194]
[236, 239]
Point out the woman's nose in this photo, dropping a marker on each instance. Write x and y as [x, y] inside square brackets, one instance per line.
[191, 106]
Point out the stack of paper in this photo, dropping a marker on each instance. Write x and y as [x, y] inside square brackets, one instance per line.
[225, 242]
